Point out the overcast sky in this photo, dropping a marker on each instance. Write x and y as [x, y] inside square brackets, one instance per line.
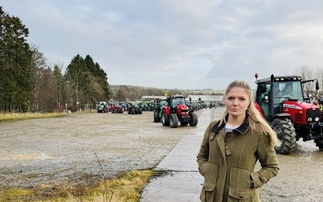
[177, 43]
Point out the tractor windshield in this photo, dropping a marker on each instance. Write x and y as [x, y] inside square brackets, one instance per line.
[285, 90]
[177, 101]
[162, 102]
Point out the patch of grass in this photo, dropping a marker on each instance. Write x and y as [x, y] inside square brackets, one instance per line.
[126, 188]
[24, 116]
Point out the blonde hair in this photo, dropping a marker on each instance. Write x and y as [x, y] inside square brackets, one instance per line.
[254, 117]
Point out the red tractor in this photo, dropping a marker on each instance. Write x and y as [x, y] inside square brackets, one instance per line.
[176, 111]
[281, 101]
[116, 108]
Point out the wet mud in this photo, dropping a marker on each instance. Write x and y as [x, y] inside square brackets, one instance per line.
[300, 177]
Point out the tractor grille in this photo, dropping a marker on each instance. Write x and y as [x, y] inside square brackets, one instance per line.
[310, 113]
[184, 110]
[299, 117]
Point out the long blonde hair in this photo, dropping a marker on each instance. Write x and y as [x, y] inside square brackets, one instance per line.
[254, 116]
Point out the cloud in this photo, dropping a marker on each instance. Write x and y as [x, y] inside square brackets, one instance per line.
[178, 44]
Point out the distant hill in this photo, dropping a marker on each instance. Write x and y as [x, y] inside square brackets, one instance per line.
[189, 91]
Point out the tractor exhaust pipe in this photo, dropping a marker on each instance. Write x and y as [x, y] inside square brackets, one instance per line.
[271, 107]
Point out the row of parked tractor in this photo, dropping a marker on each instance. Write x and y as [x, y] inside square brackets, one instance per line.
[135, 107]
[119, 107]
[171, 111]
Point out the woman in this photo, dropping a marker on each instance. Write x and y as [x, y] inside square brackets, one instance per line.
[231, 148]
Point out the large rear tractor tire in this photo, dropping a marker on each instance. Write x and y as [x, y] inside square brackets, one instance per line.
[156, 117]
[165, 120]
[194, 119]
[286, 135]
[173, 121]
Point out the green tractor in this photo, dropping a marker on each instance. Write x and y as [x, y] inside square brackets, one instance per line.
[143, 106]
[134, 108]
[159, 104]
[152, 106]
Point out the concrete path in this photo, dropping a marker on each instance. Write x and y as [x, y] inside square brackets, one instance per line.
[181, 182]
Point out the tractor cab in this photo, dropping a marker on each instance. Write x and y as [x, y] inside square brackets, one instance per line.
[276, 93]
[174, 101]
[270, 95]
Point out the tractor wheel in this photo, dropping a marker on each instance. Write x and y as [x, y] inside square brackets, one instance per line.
[173, 121]
[286, 135]
[319, 143]
[165, 120]
[194, 119]
[156, 117]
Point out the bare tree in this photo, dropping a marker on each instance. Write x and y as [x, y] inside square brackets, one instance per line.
[48, 91]
[307, 73]
[320, 78]
[60, 84]
[122, 93]
[38, 65]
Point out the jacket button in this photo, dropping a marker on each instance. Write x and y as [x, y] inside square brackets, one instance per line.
[241, 195]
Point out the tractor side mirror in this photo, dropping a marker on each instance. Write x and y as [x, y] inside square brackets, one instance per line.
[317, 87]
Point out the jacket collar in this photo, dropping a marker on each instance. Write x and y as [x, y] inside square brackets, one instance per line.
[243, 128]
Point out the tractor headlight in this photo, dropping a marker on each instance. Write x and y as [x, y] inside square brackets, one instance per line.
[310, 119]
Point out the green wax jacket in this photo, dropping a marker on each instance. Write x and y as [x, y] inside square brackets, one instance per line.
[227, 163]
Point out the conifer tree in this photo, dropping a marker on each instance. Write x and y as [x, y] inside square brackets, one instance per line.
[15, 64]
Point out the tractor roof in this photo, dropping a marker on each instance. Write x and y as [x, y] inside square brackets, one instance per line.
[280, 79]
[178, 96]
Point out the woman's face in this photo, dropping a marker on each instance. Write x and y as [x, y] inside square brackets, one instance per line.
[237, 101]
